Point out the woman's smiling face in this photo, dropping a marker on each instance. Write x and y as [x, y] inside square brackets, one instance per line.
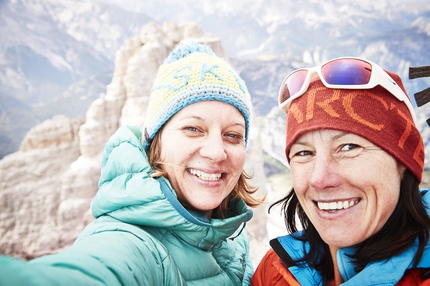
[203, 152]
[347, 186]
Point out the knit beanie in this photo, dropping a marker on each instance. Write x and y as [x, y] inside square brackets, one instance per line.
[374, 114]
[193, 73]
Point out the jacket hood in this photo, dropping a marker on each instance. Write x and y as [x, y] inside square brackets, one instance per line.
[128, 193]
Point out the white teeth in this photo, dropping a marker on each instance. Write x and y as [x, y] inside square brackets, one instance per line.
[333, 206]
[345, 205]
[205, 176]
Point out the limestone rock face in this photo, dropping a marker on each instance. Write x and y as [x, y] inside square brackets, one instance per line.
[30, 184]
[46, 188]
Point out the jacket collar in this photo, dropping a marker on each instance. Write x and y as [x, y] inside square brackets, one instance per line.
[377, 273]
[128, 193]
[386, 272]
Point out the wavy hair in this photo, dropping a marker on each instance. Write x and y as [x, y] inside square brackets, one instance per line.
[242, 190]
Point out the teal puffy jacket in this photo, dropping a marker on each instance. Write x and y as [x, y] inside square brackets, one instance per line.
[142, 235]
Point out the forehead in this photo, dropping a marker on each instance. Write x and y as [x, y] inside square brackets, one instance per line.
[327, 135]
[210, 109]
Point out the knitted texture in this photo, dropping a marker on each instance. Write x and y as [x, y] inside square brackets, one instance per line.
[193, 73]
[373, 114]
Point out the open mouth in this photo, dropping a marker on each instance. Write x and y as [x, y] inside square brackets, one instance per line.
[205, 176]
[335, 206]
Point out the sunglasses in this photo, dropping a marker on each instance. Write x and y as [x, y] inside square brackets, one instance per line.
[341, 73]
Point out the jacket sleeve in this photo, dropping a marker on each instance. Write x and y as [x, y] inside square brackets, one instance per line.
[105, 258]
[249, 269]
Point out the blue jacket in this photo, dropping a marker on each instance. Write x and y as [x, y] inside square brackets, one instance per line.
[387, 272]
[142, 235]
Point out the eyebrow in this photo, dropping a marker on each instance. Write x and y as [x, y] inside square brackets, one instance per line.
[194, 117]
[342, 134]
[190, 116]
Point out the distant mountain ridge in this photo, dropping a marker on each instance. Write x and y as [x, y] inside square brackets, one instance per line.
[45, 47]
[49, 47]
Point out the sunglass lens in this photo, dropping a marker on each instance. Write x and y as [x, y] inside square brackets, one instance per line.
[347, 72]
[292, 85]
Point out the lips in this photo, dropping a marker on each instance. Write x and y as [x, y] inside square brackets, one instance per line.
[205, 176]
[337, 205]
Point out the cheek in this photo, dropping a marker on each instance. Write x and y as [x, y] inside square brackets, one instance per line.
[387, 177]
[238, 159]
[174, 153]
[387, 195]
[299, 177]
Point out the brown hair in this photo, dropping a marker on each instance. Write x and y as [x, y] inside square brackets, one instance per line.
[242, 190]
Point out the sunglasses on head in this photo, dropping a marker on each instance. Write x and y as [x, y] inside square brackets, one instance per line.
[341, 73]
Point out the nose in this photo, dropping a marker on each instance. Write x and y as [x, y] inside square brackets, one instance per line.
[324, 173]
[213, 148]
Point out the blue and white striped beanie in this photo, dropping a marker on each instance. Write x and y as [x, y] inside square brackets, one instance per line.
[192, 73]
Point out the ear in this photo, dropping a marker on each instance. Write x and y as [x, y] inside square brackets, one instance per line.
[421, 97]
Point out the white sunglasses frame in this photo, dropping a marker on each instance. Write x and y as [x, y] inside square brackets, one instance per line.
[377, 77]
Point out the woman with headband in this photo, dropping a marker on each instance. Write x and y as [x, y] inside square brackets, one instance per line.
[355, 213]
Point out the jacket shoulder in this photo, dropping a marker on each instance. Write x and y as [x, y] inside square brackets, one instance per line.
[416, 276]
[272, 271]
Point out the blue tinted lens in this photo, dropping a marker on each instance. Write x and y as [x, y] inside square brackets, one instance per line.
[347, 72]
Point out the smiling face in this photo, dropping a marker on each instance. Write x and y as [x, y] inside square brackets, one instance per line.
[203, 150]
[347, 186]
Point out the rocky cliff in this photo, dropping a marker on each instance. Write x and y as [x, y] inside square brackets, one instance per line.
[47, 186]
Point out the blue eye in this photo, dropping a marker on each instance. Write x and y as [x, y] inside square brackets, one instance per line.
[234, 135]
[302, 153]
[192, 131]
[190, 128]
[348, 147]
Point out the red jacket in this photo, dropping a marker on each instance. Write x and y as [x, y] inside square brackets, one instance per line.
[272, 271]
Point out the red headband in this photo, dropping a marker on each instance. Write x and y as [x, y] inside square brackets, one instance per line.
[374, 114]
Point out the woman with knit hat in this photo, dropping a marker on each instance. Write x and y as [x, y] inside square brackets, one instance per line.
[356, 159]
[173, 197]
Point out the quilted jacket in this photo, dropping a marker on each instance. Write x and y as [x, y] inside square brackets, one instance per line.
[142, 235]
